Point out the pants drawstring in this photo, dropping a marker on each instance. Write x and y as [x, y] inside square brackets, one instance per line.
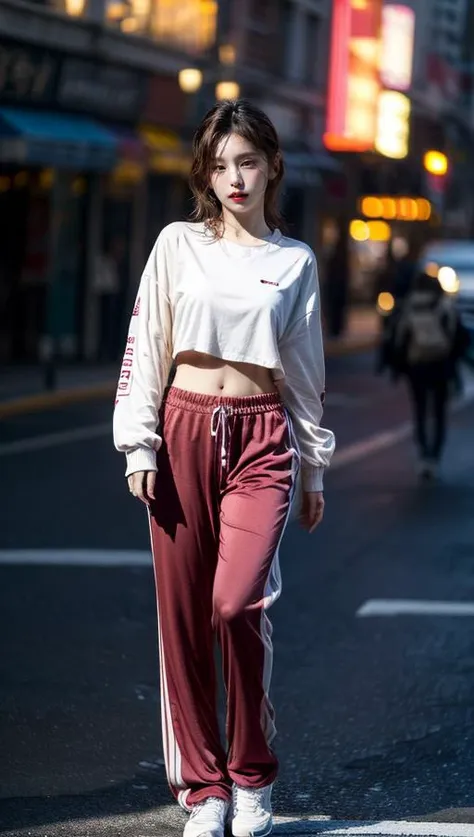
[219, 422]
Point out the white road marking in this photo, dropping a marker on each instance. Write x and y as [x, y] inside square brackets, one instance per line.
[366, 447]
[384, 828]
[171, 816]
[388, 438]
[404, 607]
[76, 557]
[403, 827]
[51, 440]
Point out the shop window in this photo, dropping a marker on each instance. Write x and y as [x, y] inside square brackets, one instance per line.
[286, 30]
[42, 240]
[190, 24]
[312, 58]
[112, 269]
[187, 24]
[130, 15]
[73, 8]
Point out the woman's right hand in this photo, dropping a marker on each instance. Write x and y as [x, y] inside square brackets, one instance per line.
[142, 485]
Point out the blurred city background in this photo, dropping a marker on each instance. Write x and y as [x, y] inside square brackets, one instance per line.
[98, 101]
[373, 678]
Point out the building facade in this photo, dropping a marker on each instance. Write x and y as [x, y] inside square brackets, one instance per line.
[95, 145]
[95, 130]
[93, 162]
[281, 61]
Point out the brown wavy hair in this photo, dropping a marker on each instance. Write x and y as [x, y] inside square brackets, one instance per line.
[248, 121]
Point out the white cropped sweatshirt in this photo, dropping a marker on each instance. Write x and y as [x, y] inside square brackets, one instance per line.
[257, 305]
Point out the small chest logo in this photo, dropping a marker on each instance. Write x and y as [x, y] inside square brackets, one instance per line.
[136, 310]
[267, 282]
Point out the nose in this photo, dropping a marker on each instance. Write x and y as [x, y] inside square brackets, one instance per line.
[236, 178]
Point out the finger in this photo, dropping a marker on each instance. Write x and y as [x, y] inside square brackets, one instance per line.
[140, 486]
[306, 521]
[303, 518]
[312, 507]
[317, 517]
[132, 484]
[303, 510]
[150, 485]
[136, 483]
[306, 518]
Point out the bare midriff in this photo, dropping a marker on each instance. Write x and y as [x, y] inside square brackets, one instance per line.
[209, 375]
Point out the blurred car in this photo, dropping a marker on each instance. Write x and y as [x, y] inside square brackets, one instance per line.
[452, 264]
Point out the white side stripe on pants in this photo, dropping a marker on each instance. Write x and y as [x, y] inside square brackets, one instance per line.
[171, 751]
[272, 592]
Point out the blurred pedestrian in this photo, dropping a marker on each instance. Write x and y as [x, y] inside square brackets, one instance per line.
[399, 269]
[107, 288]
[404, 259]
[214, 456]
[336, 286]
[428, 343]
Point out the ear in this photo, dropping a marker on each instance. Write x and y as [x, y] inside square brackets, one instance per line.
[274, 168]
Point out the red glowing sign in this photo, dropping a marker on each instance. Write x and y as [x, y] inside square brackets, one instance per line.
[354, 81]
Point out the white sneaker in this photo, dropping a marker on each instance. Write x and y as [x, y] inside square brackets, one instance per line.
[207, 819]
[252, 814]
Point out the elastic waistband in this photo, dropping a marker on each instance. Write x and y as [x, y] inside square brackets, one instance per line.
[244, 405]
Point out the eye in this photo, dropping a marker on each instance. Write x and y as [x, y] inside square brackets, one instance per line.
[219, 167]
[248, 163]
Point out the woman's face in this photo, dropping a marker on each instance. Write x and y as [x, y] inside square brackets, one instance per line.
[239, 175]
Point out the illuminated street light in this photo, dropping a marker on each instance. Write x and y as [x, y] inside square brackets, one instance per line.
[379, 231]
[359, 230]
[435, 162]
[432, 270]
[372, 207]
[385, 303]
[227, 90]
[190, 80]
[449, 280]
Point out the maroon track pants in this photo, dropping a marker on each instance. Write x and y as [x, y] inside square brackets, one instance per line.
[226, 472]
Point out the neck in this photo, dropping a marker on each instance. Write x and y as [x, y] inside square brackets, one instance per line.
[244, 229]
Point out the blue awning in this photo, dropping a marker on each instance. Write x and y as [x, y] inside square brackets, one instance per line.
[55, 139]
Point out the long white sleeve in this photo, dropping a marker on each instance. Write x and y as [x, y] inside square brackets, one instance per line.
[301, 351]
[146, 367]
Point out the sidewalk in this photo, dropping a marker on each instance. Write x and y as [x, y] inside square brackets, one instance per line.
[361, 335]
[22, 388]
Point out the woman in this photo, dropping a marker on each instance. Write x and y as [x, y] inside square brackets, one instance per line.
[235, 305]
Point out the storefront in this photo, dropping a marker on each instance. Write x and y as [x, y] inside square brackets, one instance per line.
[56, 168]
[48, 161]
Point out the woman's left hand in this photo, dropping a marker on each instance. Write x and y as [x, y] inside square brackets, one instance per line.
[312, 509]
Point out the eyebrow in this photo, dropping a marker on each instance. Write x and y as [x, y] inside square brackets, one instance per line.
[240, 156]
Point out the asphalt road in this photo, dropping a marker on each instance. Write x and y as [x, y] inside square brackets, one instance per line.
[375, 713]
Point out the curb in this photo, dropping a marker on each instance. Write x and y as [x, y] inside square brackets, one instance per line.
[59, 398]
[74, 395]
